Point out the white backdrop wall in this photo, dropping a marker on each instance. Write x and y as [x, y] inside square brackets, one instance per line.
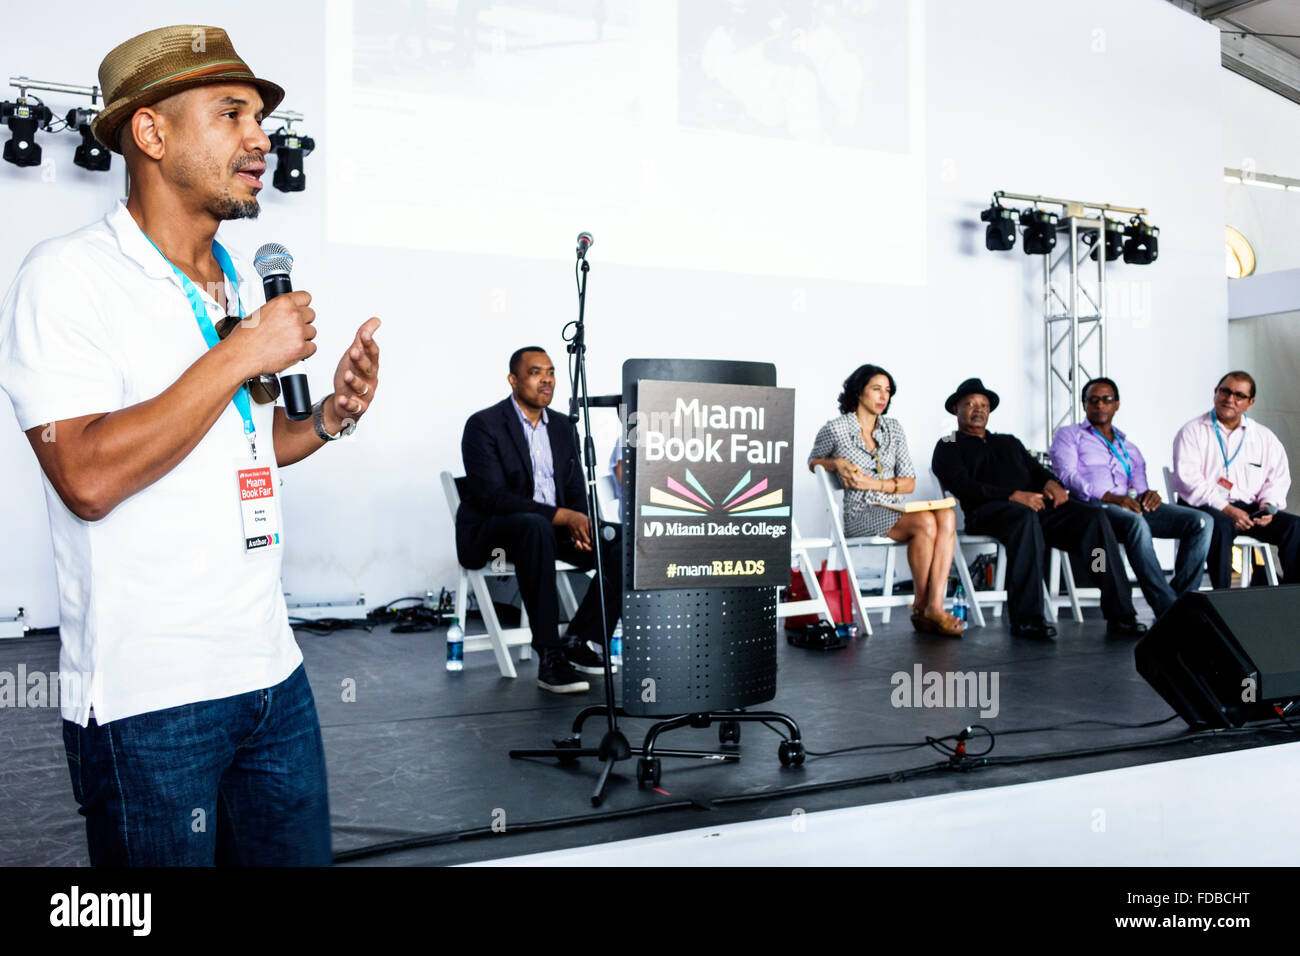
[1261, 133]
[368, 514]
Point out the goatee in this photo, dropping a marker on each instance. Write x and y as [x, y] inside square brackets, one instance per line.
[229, 208]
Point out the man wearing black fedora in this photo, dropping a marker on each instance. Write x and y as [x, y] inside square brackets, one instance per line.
[1009, 495]
[196, 740]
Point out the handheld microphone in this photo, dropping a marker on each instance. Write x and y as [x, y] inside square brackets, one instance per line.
[273, 263]
[1269, 509]
[585, 242]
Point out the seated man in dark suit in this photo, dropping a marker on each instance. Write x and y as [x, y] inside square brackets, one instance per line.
[525, 493]
[1007, 494]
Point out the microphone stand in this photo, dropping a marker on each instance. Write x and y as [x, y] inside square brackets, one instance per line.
[613, 745]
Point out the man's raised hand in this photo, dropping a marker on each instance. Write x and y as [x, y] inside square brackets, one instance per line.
[355, 380]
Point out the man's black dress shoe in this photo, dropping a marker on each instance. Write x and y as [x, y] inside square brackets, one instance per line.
[1126, 627]
[1034, 630]
[585, 660]
[556, 674]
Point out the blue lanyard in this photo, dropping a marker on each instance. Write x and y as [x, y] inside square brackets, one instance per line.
[1223, 450]
[210, 336]
[1121, 453]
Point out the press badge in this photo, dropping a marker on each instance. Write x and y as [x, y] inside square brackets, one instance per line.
[259, 508]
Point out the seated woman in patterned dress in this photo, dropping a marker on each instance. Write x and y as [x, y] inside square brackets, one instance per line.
[867, 451]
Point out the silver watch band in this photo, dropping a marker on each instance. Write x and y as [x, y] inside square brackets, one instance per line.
[318, 421]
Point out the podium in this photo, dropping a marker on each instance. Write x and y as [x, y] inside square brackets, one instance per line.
[706, 519]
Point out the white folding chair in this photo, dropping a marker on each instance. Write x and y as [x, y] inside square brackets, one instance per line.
[996, 598]
[1058, 566]
[816, 600]
[1248, 545]
[843, 546]
[498, 639]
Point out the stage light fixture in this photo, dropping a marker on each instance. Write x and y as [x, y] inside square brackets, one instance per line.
[1040, 231]
[1000, 234]
[24, 119]
[91, 154]
[1141, 243]
[290, 148]
[1114, 240]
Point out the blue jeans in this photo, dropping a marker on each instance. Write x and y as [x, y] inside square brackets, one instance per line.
[237, 781]
[1135, 531]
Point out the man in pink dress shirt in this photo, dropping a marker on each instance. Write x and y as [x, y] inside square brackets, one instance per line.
[1235, 470]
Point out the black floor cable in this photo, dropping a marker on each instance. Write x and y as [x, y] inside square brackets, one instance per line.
[979, 761]
[414, 618]
[534, 826]
[328, 625]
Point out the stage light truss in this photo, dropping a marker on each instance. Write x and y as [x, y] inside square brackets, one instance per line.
[1074, 300]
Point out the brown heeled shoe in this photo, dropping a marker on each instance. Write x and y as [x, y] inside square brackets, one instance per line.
[944, 623]
[921, 623]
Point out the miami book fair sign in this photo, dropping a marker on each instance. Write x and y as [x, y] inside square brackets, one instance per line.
[714, 471]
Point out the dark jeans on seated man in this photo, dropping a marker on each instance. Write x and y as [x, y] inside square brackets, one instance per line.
[1135, 532]
[1081, 529]
[1283, 531]
[532, 544]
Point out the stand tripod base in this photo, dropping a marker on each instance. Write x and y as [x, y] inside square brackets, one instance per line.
[614, 746]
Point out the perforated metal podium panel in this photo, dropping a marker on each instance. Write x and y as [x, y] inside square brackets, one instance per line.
[697, 650]
[688, 650]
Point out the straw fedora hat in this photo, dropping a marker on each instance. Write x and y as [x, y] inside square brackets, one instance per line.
[157, 64]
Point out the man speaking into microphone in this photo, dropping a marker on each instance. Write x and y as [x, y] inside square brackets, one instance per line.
[196, 738]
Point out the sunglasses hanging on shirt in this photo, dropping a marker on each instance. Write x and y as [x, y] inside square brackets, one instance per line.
[264, 389]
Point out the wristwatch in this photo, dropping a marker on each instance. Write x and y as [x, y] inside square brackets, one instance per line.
[318, 421]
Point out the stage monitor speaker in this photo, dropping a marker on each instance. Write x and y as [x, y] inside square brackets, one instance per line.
[1224, 658]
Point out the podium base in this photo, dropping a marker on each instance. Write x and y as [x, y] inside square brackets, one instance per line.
[614, 746]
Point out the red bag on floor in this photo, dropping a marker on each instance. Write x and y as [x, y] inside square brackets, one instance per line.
[836, 588]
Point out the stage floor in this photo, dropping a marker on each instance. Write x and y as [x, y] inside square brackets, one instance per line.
[419, 772]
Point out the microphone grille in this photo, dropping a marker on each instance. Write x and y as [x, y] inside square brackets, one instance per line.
[273, 258]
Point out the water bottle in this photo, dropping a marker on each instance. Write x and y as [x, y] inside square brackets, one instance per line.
[455, 646]
[959, 605]
[616, 645]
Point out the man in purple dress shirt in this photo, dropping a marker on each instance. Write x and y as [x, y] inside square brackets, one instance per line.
[1098, 463]
[1235, 470]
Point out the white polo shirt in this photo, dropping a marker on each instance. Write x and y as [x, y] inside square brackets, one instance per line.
[160, 604]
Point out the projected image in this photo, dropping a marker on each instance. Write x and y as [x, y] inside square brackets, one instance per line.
[505, 128]
[815, 71]
[543, 51]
